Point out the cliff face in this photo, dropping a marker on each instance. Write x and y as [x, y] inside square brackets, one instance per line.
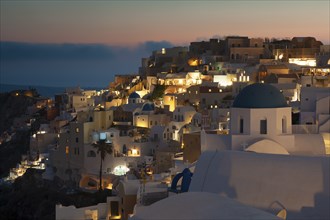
[12, 106]
[31, 197]
[11, 152]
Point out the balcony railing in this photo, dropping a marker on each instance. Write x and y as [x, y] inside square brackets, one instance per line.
[305, 129]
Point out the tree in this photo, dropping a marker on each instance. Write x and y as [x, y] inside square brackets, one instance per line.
[103, 149]
[158, 92]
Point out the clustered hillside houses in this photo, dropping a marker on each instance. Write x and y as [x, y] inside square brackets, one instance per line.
[247, 99]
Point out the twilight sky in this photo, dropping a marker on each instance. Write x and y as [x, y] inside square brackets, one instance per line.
[65, 43]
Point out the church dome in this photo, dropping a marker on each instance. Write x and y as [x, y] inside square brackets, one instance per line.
[260, 95]
[148, 107]
[134, 95]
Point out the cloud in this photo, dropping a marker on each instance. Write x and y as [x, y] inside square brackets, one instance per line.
[20, 51]
[70, 64]
[155, 45]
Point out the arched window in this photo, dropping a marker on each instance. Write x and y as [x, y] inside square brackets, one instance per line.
[237, 56]
[91, 154]
[232, 56]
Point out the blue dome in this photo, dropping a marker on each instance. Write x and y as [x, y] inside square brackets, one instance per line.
[134, 95]
[260, 95]
[148, 107]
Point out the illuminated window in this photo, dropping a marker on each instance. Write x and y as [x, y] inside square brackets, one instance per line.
[77, 130]
[210, 90]
[67, 150]
[133, 152]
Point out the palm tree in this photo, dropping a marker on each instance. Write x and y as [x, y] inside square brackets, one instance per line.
[103, 149]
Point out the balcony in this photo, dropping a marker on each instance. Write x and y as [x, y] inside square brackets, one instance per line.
[305, 129]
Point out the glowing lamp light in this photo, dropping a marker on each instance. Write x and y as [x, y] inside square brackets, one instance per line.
[193, 62]
[103, 136]
[109, 186]
[134, 152]
[303, 62]
[120, 170]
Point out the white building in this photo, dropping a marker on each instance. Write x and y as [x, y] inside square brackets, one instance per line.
[260, 121]
[314, 108]
[242, 185]
[109, 210]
